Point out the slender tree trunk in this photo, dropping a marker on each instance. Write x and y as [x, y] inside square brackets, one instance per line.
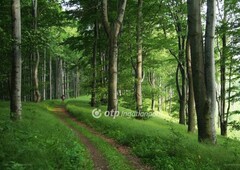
[50, 78]
[170, 100]
[223, 56]
[139, 59]
[68, 85]
[112, 88]
[15, 102]
[159, 103]
[31, 76]
[153, 102]
[203, 69]
[57, 78]
[191, 110]
[224, 124]
[44, 74]
[183, 98]
[62, 77]
[94, 65]
[152, 82]
[77, 82]
[112, 33]
[182, 94]
[210, 68]
[37, 95]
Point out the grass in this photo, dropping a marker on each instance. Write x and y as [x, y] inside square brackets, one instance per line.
[161, 143]
[39, 141]
[114, 158]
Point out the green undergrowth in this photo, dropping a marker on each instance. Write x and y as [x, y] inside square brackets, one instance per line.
[39, 141]
[160, 143]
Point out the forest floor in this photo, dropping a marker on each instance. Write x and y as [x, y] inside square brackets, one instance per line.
[99, 161]
[57, 135]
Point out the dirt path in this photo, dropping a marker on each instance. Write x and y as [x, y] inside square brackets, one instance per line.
[99, 161]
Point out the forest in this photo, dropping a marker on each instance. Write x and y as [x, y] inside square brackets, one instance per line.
[119, 84]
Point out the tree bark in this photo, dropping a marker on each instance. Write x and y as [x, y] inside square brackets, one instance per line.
[203, 69]
[44, 74]
[94, 64]
[50, 78]
[210, 68]
[223, 56]
[62, 72]
[77, 91]
[159, 103]
[37, 95]
[152, 82]
[191, 110]
[139, 60]
[15, 102]
[112, 33]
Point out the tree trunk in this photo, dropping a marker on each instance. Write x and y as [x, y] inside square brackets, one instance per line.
[58, 79]
[62, 72]
[139, 60]
[153, 102]
[159, 103]
[112, 33]
[182, 94]
[37, 95]
[112, 87]
[210, 68]
[191, 110]
[224, 124]
[203, 73]
[77, 91]
[223, 57]
[152, 82]
[44, 74]
[94, 65]
[15, 102]
[50, 78]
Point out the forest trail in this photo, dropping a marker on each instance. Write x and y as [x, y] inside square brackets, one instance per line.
[100, 163]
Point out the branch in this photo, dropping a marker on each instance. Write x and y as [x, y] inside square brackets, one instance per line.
[179, 62]
[120, 16]
[105, 16]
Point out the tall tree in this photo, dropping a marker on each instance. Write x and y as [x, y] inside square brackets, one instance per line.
[94, 60]
[203, 68]
[223, 57]
[191, 103]
[112, 30]
[139, 70]
[15, 104]
[37, 95]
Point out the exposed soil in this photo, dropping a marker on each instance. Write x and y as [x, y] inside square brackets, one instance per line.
[99, 162]
[97, 157]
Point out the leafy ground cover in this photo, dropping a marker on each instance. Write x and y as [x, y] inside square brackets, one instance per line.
[39, 141]
[160, 143]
